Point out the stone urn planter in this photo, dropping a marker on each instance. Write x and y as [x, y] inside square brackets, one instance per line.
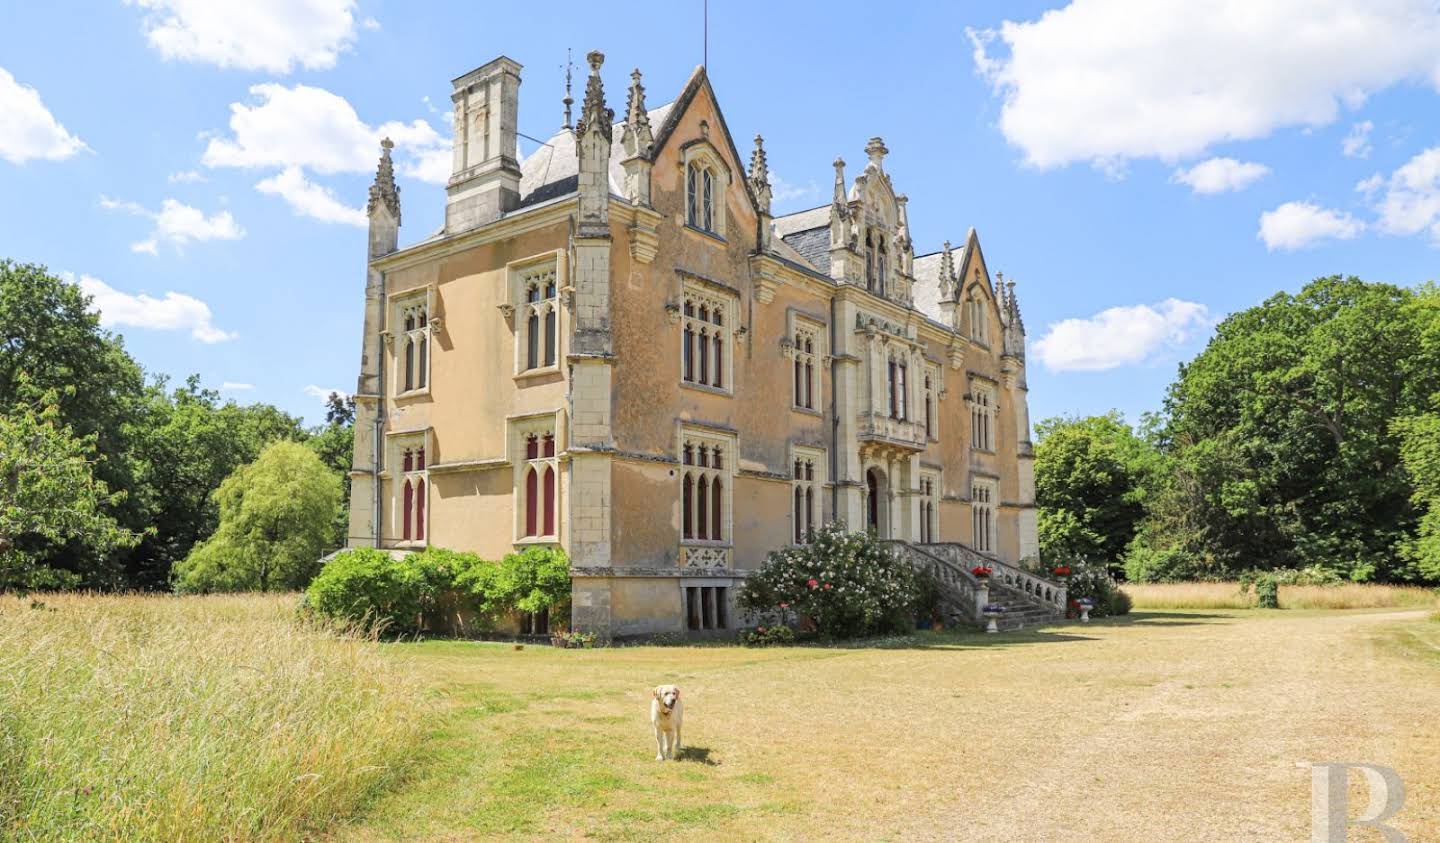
[982, 573]
[1085, 605]
[992, 614]
[1061, 573]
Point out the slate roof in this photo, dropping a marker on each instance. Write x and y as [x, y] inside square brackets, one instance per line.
[807, 233]
[926, 290]
[553, 170]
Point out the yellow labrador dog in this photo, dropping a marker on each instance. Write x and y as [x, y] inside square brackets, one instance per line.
[666, 713]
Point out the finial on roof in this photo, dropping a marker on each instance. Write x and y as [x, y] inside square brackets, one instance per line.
[839, 181]
[1013, 304]
[876, 150]
[948, 285]
[569, 100]
[593, 113]
[638, 138]
[760, 175]
[384, 190]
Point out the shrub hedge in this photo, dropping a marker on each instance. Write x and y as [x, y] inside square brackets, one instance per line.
[440, 590]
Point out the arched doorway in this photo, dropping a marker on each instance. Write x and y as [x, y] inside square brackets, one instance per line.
[877, 500]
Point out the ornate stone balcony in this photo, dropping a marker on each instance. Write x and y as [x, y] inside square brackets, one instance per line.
[899, 434]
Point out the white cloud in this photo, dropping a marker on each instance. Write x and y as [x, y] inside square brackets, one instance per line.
[186, 177]
[308, 127]
[322, 393]
[1411, 203]
[234, 386]
[1109, 80]
[174, 312]
[1370, 186]
[1217, 175]
[1356, 144]
[783, 191]
[1120, 336]
[269, 35]
[309, 199]
[177, 224]
[1296, 225]
[28, 129]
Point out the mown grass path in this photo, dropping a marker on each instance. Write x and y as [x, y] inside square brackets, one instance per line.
[1163, 726]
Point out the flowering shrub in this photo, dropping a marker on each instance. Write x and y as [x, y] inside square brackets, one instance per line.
[775, 635]
[847, 584]
[1093, 582]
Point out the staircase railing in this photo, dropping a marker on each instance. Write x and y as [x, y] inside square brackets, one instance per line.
[1034, 586]
[958, 586]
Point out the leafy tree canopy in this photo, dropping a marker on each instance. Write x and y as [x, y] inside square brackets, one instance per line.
[276, 516]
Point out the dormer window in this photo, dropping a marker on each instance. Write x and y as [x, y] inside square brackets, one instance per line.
[700, 197]
[876, 264]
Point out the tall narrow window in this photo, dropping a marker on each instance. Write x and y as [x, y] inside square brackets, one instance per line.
[880, 279]
[928, 516]
[890, 387]
[804, 490]
[806, 340]
[412, 493]
[709, 202]
[978, 322]
[415, 363]
[869, 262]
[903, 396]
[704, 491]
[982, 416]
[701, 209]
[706, 339]
[931, 408]
[539, 475]
[538, 319]
[982, 515]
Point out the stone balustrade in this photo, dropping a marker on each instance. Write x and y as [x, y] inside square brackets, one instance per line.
[960, 592]
[1038, 588]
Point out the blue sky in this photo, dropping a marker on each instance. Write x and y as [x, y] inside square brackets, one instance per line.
[1140, 169]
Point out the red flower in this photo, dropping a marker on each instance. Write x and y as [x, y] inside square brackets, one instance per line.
[1062, 570]
[784, 605]
[759, 629]
[827, 586]
[813, 583]
[981, 570]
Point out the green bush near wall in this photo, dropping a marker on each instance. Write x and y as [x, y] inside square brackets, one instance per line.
[440, 590]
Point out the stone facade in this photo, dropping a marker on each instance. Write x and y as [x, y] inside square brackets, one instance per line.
[615, 348]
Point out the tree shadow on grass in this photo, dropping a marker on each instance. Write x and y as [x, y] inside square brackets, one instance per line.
[696, 755]
[1162, 618]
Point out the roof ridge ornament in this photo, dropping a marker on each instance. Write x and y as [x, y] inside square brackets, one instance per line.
[569, 100]
[593, 113]
[876, 151]
[384, 190]
[760, 174]
[637, 139]
[948, 283]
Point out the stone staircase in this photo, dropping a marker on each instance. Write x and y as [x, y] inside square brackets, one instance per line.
[1022, 610]
[1029, 599]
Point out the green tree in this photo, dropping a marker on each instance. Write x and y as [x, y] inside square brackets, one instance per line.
[187, 442]
[276, 515]
[1280, 433]
[50, 340]
[334, 443]
[1090, 482]
[49, 494]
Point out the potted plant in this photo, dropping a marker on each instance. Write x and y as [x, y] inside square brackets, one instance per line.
[992, 612]
[1084, 604]
[982, 572]
[1062, 572]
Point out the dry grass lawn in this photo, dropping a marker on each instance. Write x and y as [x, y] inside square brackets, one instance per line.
[1161, 726]
[1227, 595]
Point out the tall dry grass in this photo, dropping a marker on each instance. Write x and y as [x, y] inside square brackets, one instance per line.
[1227, 595]
[190, 718]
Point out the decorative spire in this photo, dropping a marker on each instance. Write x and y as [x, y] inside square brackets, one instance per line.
[876, 150]
[569, 100]
[637, 138]
[1013, 305]
[593, 113]
[384, 190]
[840, 201]
[760, 175]
[948, 285]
